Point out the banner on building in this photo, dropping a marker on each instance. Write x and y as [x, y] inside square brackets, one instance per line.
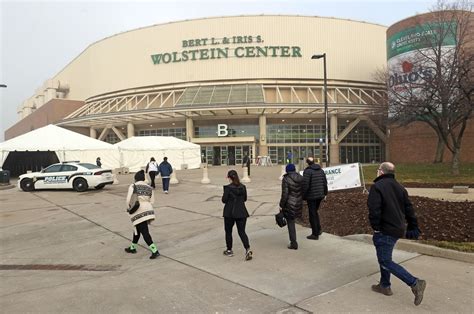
[342, 177]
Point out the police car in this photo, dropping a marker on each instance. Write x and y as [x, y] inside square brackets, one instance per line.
[66, 175]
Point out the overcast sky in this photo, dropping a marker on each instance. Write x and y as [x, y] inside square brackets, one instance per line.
[38, 38]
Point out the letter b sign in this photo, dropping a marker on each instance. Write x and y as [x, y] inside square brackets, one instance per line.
[222, 130]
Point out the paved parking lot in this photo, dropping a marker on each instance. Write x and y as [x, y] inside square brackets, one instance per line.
[62, 251]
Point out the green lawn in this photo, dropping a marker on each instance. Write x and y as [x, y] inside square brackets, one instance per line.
[425, 173]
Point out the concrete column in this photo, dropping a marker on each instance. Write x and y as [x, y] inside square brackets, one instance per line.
[253, 157]
[130, 130]
[334, 146]
[92, 132]
[189, 129]
[262, 122]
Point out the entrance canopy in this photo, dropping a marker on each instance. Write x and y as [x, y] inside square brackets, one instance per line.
[136, 152]
[67, 145]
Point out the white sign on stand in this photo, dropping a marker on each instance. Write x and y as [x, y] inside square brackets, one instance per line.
[342, 177]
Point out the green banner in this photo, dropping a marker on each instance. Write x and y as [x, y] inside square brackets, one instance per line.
[421, 36]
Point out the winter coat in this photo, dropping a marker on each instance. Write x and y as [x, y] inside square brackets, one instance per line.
[291, 200]
[246, 161]
[315, 184]
[234, 199]
[165, 169]
[146, 198]
[389, 207]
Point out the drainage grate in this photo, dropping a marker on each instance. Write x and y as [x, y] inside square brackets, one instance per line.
[61, 267]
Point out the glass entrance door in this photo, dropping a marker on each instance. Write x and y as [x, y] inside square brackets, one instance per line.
[230, 155]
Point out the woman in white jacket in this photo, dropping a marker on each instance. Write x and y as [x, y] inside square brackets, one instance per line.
[143, 215]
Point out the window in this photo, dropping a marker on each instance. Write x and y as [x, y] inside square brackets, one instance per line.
[89, 166]
[53, 168]
[68, 168]
[175, 132]
[294, 133]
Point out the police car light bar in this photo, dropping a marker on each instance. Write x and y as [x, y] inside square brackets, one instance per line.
[71, 161]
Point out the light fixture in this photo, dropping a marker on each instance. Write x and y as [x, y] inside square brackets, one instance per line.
[326, 122]
[310, 120]
[282, 120]
[173, 123]
[151, 125]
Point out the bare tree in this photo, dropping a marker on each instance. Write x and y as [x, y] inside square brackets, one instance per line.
[435, 84]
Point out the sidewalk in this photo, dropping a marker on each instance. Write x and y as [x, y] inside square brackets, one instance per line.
[54, 228]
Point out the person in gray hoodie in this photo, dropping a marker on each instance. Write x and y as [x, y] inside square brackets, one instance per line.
[291, 201]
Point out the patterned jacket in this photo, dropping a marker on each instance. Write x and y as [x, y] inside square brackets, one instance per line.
[146, 198]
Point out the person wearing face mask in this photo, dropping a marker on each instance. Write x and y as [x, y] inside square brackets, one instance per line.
[235, 212]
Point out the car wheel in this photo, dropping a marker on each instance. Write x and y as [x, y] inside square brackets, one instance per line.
[100, 187]
[27, 185]
[80, 185]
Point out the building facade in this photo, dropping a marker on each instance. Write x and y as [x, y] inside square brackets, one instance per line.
[234, 85]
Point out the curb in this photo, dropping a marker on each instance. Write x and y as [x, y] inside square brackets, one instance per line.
[6, 187]
[414, 247]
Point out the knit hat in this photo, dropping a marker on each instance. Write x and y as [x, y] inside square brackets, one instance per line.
[140, 176]
[290, 168]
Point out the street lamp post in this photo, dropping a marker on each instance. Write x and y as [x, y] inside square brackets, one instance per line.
[326, 122]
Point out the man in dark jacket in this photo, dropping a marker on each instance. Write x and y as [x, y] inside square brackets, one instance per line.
[246, 163]
[291, 201]
[315, 189]
[165, 170]
[389, 208]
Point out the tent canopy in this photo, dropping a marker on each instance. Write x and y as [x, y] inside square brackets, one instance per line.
[67, 145]
[135, 152]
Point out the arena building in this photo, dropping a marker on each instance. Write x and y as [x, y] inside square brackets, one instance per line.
[234, 85]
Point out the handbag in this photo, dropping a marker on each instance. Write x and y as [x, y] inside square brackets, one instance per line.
[280, 219]
[134, 203]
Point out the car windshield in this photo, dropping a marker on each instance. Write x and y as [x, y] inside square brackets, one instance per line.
[89, 166]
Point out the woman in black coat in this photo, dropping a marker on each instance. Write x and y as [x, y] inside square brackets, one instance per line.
[234, 198]
[291, 201]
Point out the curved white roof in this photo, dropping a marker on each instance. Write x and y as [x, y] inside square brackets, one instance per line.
[53, 138]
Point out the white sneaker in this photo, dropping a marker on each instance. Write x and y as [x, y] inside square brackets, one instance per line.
[166, 192]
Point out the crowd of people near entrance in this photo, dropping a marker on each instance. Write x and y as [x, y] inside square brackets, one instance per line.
[390, 212]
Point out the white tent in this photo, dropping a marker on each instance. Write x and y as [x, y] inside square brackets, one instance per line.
[67, 145]
[136, 152]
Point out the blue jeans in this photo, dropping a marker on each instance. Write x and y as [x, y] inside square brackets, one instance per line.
[384, 246]
[166, 183]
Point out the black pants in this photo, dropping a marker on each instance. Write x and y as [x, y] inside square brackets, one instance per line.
[152, 178]
[313, 207]
[229, 224]
[142, 228]
[291, 230]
